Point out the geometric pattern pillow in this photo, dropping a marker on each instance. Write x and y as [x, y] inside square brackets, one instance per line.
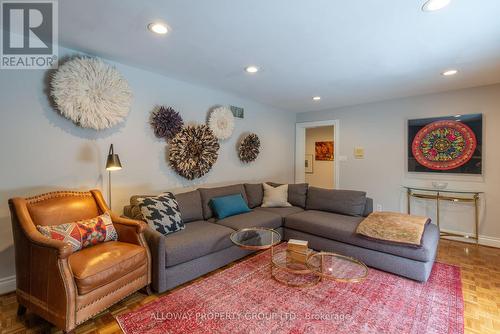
[83, 233]
[161, 213]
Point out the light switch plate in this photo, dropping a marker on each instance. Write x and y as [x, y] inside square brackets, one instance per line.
[359, 152]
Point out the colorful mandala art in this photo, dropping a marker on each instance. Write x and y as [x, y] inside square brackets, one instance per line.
[444, 145]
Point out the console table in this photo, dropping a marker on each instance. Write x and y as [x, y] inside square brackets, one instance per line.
[451, 196]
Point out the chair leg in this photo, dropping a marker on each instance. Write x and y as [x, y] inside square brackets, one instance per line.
[147, 290]
[21, 310]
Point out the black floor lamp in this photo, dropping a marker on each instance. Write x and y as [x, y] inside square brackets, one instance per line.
[113, 163]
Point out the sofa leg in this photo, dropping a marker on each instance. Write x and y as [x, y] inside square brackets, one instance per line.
[147, 290]
[21, 310]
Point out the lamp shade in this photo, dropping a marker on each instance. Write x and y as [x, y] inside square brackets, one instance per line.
[113, 162]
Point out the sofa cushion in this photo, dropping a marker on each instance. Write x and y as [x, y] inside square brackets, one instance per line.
[346, 202]
[255, 218]
[255, 193]
[343, 229]
[102, 264]
[282, 212]
[297, 193]
[199, 238]
[208, 193]
[190, 206]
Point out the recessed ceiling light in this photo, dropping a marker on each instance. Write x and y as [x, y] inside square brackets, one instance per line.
[316, 98]
[158, 28]
[433, 5]
[449, 73]
[251, 69]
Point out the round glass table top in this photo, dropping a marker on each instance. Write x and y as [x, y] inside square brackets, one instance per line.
[337, 267]
[256, 238]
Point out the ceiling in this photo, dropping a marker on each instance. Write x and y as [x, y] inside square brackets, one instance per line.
[348, 52]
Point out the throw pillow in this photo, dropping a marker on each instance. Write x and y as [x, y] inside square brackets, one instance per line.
[297, 193]
[275, 197]
[255, 193]
[226, 206]
[83, 233]
[161, 213]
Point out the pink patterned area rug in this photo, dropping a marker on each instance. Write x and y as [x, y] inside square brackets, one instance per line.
[245, 299]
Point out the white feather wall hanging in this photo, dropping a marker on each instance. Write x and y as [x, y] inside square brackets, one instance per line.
[221, 122]
[91, 93]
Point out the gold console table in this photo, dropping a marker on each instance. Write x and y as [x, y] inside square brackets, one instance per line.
[451, 196]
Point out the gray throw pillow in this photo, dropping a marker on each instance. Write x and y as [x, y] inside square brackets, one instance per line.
[346, 202]
[255, 193]
[161, 213]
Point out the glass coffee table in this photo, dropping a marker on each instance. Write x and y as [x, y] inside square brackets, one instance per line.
[256, 238]
[337, 267]
[317, 266]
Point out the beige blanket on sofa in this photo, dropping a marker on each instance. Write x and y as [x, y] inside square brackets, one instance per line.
[394, 227]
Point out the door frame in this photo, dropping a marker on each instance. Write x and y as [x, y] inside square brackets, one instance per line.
[300, 148]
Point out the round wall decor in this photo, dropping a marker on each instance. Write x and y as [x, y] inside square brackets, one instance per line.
[249, 148]
[444, 145]
[193, 151]
[221, 122]
[91, 93]
[166, 122]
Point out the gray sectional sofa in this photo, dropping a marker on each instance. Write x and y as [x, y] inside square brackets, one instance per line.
[326, 218]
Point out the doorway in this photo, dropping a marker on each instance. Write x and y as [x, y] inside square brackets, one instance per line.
[316, 151]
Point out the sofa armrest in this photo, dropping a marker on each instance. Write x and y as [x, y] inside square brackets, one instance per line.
[156, 244]
[368, 207]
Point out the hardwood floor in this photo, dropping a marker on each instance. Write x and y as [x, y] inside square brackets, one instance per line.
[480, 267]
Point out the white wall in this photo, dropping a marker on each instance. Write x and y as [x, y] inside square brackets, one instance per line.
[323, 171]
[42, 151]
[381, 129]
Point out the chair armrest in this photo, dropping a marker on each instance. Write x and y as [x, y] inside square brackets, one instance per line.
[23, 219]
[138, 225]
[128, 230]
[156, 244]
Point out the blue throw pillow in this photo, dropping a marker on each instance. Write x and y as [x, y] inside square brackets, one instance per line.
[226, 206]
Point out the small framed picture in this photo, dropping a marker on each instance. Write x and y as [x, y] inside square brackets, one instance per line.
[324, 150]
[308, 164]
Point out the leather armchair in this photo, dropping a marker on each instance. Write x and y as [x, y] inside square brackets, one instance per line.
[64, 287]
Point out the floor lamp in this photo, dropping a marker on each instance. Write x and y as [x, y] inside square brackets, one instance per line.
[113, 163]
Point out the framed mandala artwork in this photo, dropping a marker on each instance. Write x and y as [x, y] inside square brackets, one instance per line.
[450, 144]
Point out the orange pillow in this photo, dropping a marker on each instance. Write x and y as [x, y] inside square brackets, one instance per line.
[83, 233]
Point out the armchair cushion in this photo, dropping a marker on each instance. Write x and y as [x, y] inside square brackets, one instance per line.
[104, 263]
[84, 233]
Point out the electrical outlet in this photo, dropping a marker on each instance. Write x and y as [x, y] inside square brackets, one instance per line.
[380, 208]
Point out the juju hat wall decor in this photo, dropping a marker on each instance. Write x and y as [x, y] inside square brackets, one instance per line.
[91, 93]
[166, 122]
[193, 151]
[249, 148]
[221, 122]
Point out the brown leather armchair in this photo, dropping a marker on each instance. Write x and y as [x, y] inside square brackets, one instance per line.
[64, 287]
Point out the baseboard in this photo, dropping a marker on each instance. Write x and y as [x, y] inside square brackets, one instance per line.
[483, 240]
[7, 284]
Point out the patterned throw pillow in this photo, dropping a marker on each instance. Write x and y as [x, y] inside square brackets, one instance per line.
[83, 233]
[161, 213]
